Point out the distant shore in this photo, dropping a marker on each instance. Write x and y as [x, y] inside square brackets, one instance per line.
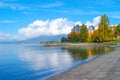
[76, 44]
[105, 67]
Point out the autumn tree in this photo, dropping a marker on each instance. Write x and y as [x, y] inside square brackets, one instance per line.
[111, 33]
[83, 33]
[103, 28]
[73, 36]
[117, 31]
[95, 36]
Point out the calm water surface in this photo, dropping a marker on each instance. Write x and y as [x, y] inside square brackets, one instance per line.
[36, 62]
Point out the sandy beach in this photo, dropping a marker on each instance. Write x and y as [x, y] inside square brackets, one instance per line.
[105, 67]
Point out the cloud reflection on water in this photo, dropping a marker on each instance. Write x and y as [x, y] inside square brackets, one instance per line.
[39, 59]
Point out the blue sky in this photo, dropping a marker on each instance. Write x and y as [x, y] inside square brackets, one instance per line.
[18, 14]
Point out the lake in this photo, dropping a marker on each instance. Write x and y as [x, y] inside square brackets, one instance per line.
[37, 62]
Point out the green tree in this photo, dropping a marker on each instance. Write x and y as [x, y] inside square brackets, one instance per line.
[103, 28]
[111, 34]
[63, 39]
[73, 38]
[117, 31]
[83, 33]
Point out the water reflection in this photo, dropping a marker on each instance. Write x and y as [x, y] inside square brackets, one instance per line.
[58, 58]
[84, 52]
[38, 62]
[53, 58]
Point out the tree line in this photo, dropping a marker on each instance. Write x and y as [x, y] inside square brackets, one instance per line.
[104, 33]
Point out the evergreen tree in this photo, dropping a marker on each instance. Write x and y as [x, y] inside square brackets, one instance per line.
[63, 39]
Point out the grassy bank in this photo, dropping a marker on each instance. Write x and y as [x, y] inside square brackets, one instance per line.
[79, 43]
[114, 42]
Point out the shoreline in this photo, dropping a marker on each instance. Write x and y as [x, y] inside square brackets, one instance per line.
[97, 69]
[77, 44]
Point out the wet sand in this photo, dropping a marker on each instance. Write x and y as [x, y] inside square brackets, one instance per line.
[105, 67]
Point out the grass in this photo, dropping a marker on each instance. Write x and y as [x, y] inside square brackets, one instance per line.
[114, 41]
[110, 42]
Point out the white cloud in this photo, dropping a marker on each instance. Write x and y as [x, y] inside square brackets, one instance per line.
[13, 6]
[7, 21]
[88, 23]
[95, 22]
[16, 7]
[49, 27]
[78, 23]
[57, 26]
[7, 37]
[56, 4]
[3, 36]
[53, 27]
